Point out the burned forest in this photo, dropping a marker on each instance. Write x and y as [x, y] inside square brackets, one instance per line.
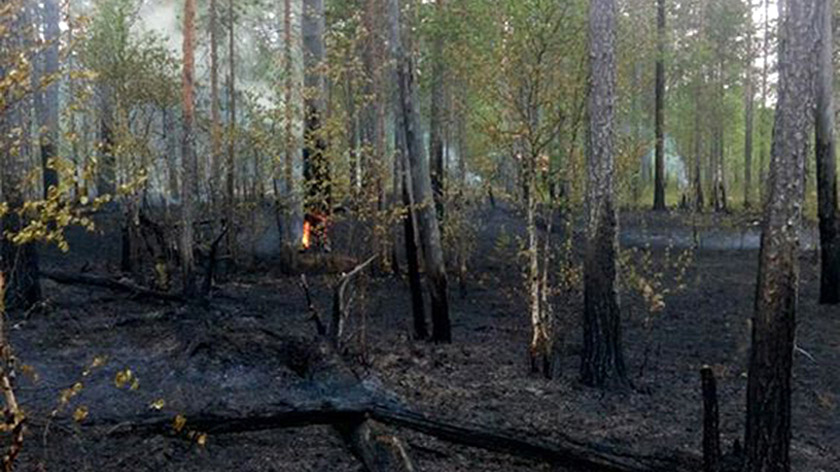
[419, 235]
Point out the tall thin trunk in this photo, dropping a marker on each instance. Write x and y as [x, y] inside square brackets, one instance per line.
[170, 140]
[215, 116]
[698, 147]
[602, 361]
[230, 167]
[408, 118]
[765, 52]
[412, 246]
[659, 179]
[188, 186]
[768, 415]
[749, 99]
[826, 163]
[46, 99]
[436, 124]
[289, 115]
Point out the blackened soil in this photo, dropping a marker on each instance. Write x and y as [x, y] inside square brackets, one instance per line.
[482, 377]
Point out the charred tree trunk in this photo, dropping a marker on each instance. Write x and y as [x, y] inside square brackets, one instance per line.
[826, 164]
[188, 152]
[412, 253]
[711, 430]
[408, 119]
[768, 432]
[659, 178]
[602, 359]
[315, 165]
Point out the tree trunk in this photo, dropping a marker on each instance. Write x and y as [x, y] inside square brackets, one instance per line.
[412, 253]
[436, 125]
[749, 96]
[698, 147]
[230, 180]
[316, 167]
[826, 164]
[659, 179]
[215, 116]
[46, 99]
[408, 119]
[711, 420]
[602, 360]
[762, 157]
[290, 150]
[768, 433]
[188, 185]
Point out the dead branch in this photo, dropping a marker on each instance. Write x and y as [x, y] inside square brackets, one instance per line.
[341, 303]
[117, 285]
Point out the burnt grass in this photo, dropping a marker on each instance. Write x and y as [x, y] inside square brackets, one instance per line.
[482, 377]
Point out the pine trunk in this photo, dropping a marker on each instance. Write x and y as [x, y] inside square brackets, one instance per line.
[408, 119]
[602, 359]
[768, 431]
[659, 178]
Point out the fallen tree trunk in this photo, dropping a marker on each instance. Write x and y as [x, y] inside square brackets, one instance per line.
[327, 392]
[565, 452]
[118, 285]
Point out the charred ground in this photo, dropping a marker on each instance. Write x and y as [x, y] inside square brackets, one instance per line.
[195, 355]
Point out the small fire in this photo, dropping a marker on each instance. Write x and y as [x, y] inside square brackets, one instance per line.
[306, 241]
[314, 232]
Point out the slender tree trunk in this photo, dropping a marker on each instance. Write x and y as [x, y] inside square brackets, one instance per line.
[46, 99]
[408, 118]
[290, 149]
[188, 186]
[659, 179]
[698, 147]
[230, 167]
[170, 139]
[768, 432]
[602, 361]
[826, 163]
[436, 131]
[749, 99]
[215, 115]
[762, 157]
[412, 253]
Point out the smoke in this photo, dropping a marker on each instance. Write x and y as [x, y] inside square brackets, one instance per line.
[162, 17]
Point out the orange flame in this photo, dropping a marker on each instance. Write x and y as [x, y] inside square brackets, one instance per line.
[307, 232]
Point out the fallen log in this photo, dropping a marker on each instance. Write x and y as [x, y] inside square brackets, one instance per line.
[327, 392]
[117, 285]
